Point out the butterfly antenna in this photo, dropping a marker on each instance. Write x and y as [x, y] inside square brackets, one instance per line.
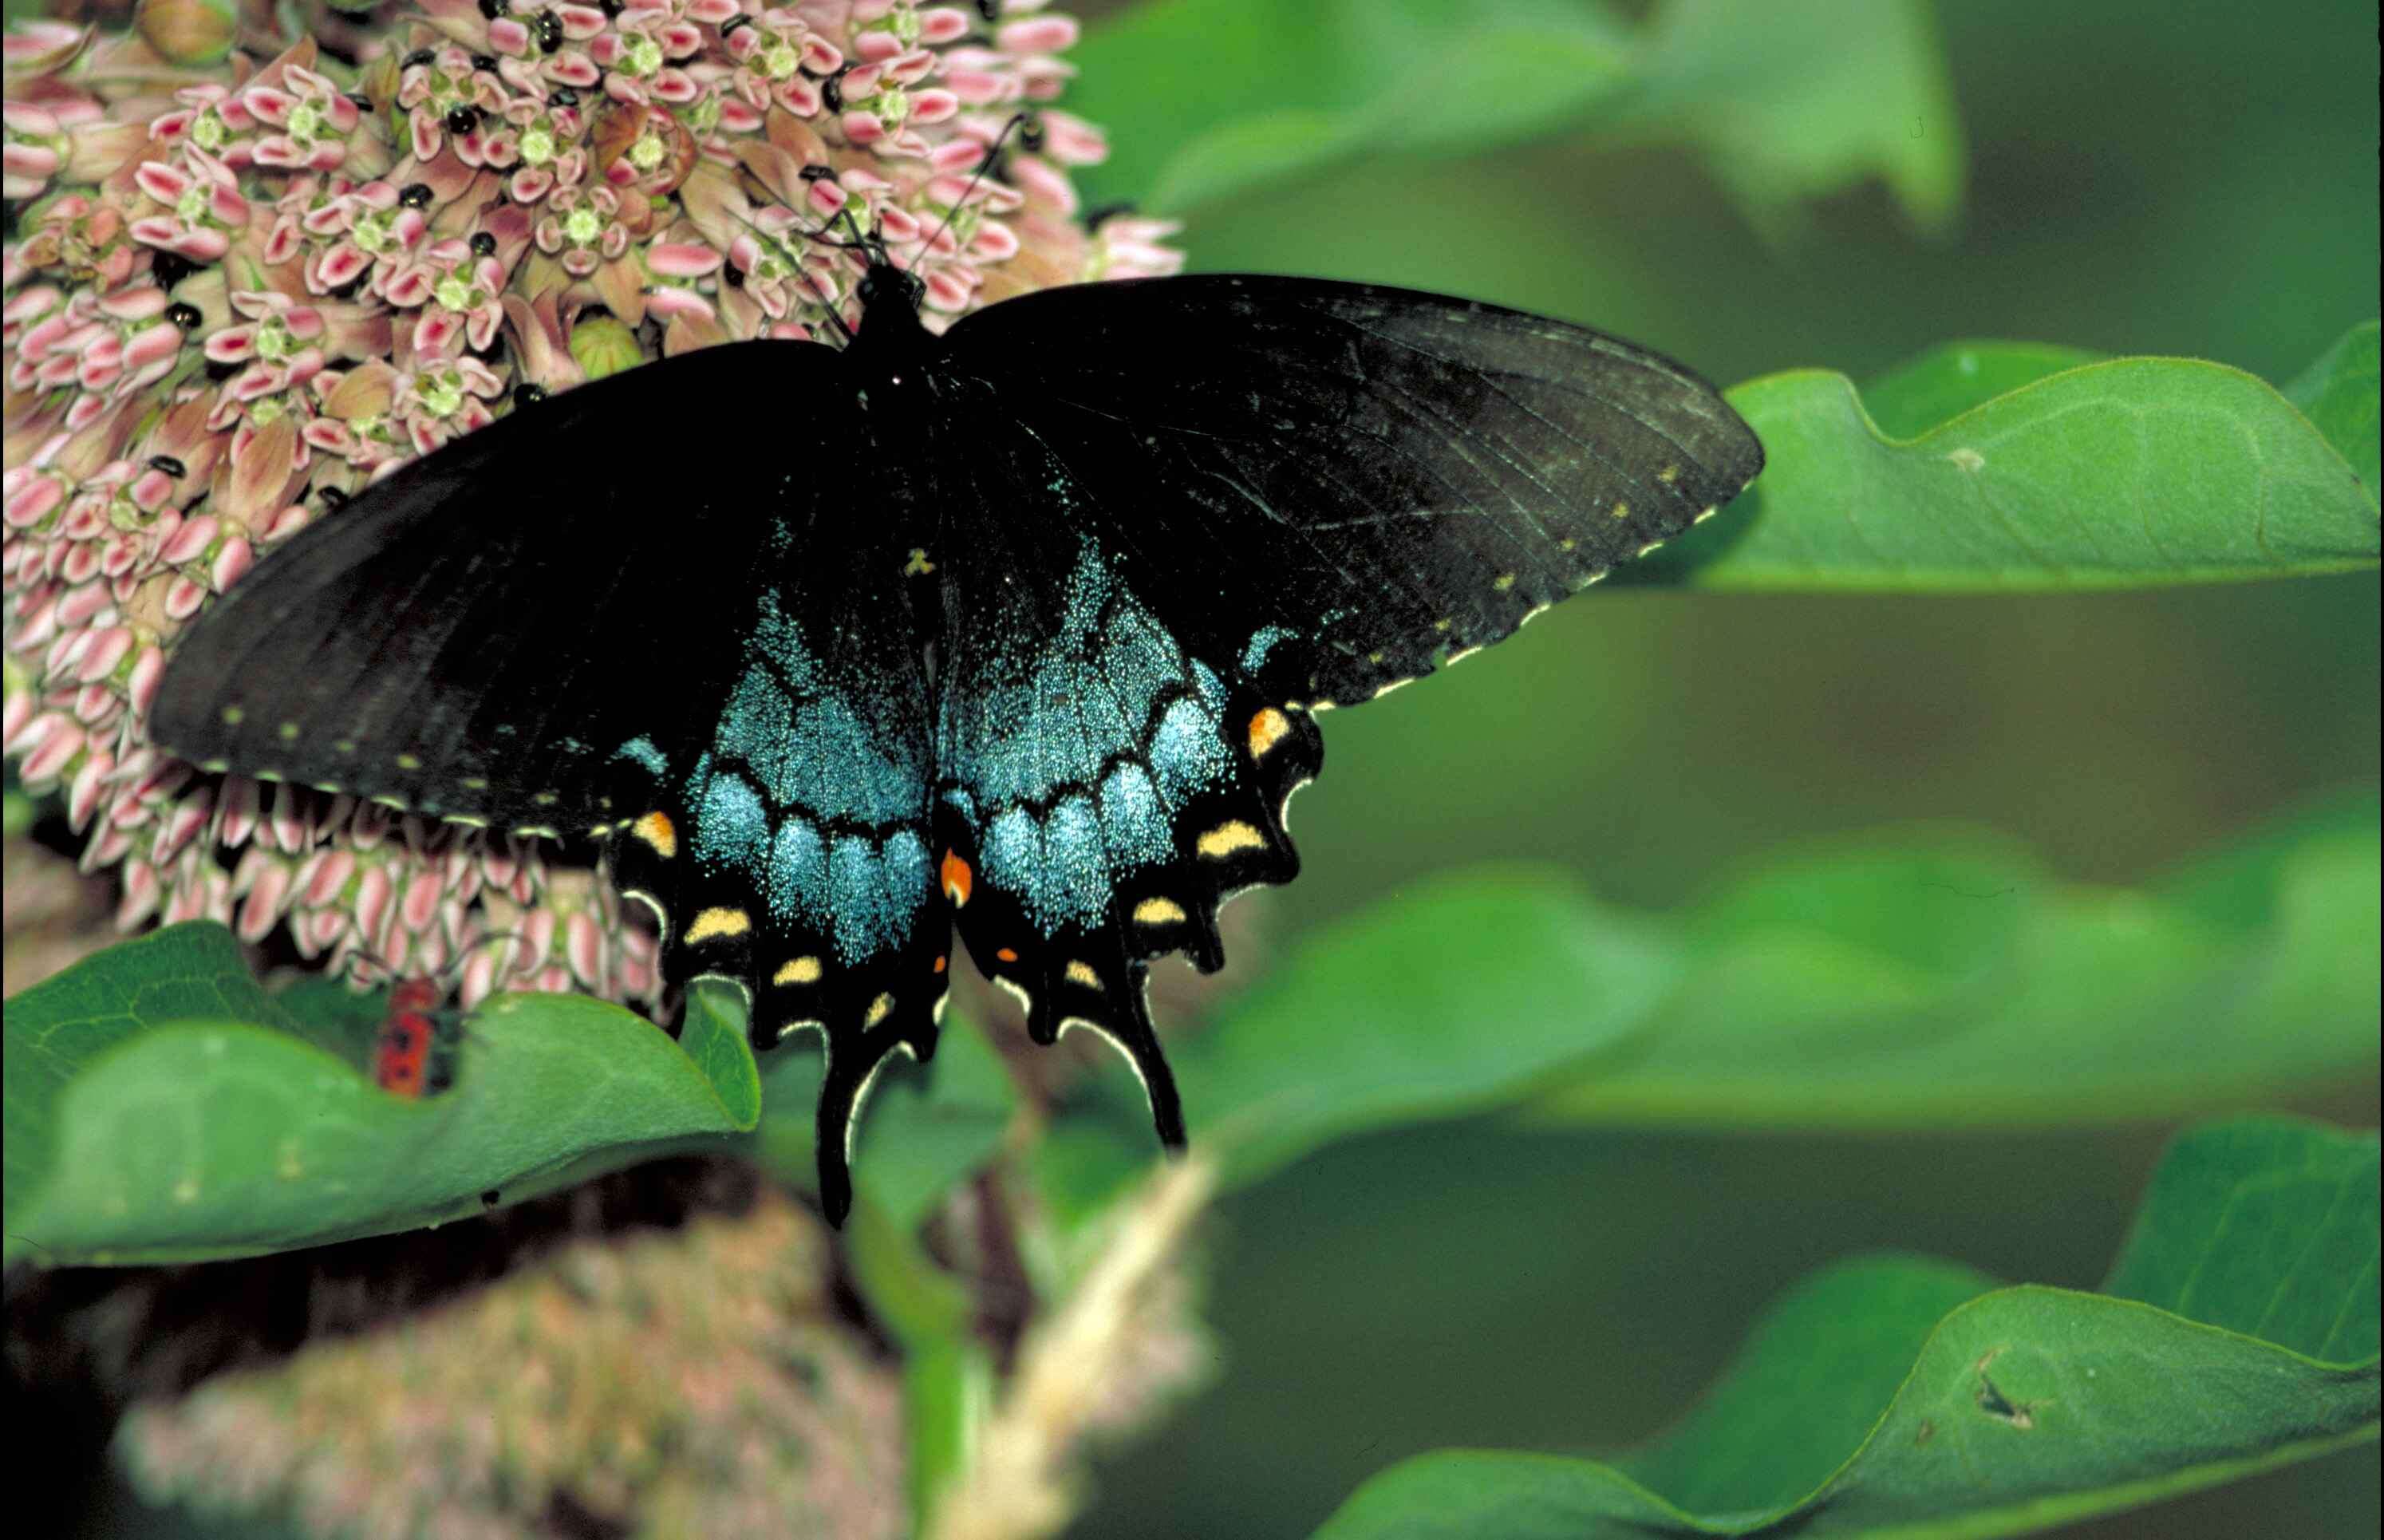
[1030, 133]
[819, 237]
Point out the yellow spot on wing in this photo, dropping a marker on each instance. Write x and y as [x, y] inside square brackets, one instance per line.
[1267, 729]
[718, 922]
[1504, 581]
[1228, 837]
[1158, 911]
[1082, 974]
[658, 834]
[800, 969]
[918, 565]
[879, 1009]
[1669, 475]
[1622, 510]
[407, 761]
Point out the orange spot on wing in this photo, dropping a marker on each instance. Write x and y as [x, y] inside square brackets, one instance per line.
[659, 833]
[1267, 729]
[1007, 955]
[941, 962]
[957, 880]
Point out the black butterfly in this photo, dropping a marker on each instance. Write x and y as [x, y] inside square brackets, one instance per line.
[1025, 627]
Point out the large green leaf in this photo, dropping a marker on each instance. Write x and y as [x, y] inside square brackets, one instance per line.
[2011, 467]
[1901, 1396]
[162, 1107]
[1950, 982]
[1207, 98]
[1939, 979]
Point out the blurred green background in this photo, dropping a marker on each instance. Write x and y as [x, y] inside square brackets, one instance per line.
[2147, 178]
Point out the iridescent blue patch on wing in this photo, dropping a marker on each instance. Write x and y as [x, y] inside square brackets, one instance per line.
[1186, 754]
[1056, 865]
[1055, 719]
[807, 746]
[1134, 821]
[1263, 641]
[875, 891]
[809, 804]
[731, 828]
[640, 751]
[1013, 850]
[798, 868]
[1080, 754]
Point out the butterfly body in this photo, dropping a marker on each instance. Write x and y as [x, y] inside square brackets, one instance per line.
[1019, 630]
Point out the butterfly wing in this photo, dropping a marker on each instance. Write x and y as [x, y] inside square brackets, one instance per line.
[646, 607]
[1370, 479]
[1202, 508]
[1095, 801]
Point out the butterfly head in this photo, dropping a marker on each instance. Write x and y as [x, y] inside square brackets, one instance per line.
[885, 286]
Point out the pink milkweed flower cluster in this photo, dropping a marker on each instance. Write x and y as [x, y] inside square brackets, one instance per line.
[235, 295]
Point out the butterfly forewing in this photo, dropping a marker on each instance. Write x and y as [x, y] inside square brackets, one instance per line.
[478, 635]
[1379, 479]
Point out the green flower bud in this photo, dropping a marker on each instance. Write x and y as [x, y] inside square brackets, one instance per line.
[602, 345]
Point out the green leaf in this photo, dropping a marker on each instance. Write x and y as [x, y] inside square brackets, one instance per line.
[53, 1030]
[162, 1107]
[1953, 377]
[926, 1127]
[2266, 1227]
[1928, 980]
[2339, 393]
[2129, 473]
[1793, 102]
[1209, 98]
[1895, 1395]
[1947, 981]
[1461, 995]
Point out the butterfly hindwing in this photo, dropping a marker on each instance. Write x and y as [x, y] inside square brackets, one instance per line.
[1103, 783]
[788, 849]
[1371, 480]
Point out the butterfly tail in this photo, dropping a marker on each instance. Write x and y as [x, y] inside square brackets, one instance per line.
[1135, 1037]
[854, 1062]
